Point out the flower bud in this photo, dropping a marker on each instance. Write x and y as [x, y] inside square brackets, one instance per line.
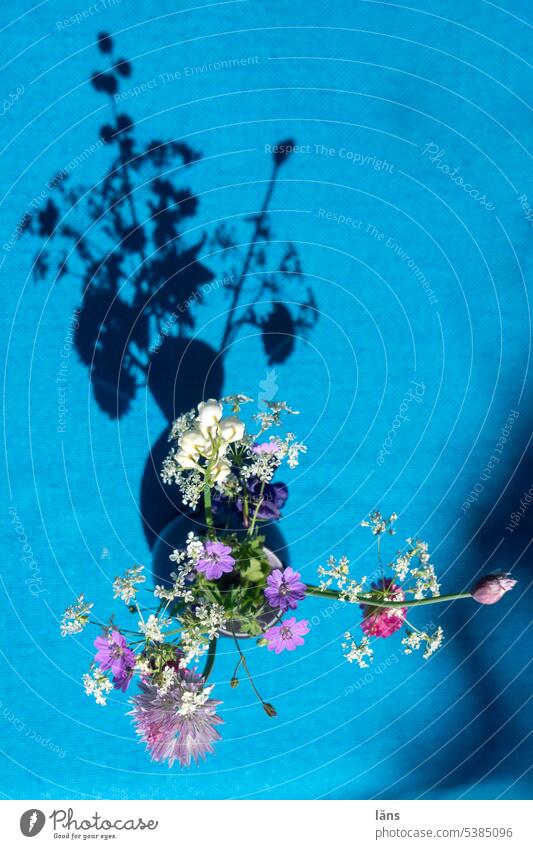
[232, 428]
[269, 709]
[491, 588]
[234, 683]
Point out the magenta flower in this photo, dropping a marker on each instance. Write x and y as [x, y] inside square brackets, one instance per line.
[178, 725]
[284, 589]
[491, 588]
[383, 621]
[216, 560]
[114, 654]
[288, 635]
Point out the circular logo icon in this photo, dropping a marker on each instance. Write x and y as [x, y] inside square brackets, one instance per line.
[32, 822]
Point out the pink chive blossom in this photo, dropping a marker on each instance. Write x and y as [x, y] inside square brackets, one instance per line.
[383, 621]
[178, 725]
[216, 560]
[491, 588]
[284, 589]
[288, 635]
[114, 654]
[265, 447]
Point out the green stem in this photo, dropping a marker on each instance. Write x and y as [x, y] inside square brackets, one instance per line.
[210, 659]
[209, 510]
[254, 520]
[418, 602]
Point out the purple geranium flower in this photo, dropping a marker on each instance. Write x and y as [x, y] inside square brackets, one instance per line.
[114, 654]
[288, 635]
[216, 560]
[284, 589]
[178, 725]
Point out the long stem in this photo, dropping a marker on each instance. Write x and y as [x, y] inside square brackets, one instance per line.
[209, 510]
[210, 659]
[364, 599]
[245, 666]
[256, 512]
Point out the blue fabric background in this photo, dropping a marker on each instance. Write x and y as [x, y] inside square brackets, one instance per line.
[380, 80]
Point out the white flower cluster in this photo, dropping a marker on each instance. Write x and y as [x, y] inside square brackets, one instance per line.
[379, 524]
[124, 587]
[97, 685]
[75, 617]
[423, 572]
[338, 573]
[432, 641]
[197, 630]
[204, 447]
[185, 560]
[272, 418]
[168, 679]
[357, 652]
[190, 701]
[153, 628]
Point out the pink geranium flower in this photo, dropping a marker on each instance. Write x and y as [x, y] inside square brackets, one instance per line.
[288, 635]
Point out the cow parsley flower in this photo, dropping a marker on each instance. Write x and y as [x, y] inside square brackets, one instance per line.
[379, 524]
[337, 572]
[198, 628]
[124, 587]
[415, 639]
[153, 628]
[97, 685]
[76, 616]
[357, 652]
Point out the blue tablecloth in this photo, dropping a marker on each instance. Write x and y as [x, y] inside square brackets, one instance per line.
[402, 334]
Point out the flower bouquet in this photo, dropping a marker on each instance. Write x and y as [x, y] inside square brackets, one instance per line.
[227, 583]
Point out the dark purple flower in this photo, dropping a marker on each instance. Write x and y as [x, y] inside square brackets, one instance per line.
[178, 725]
[114, 654]
[288, 635]
[274, 497]
[284, 589]
[216, 560]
